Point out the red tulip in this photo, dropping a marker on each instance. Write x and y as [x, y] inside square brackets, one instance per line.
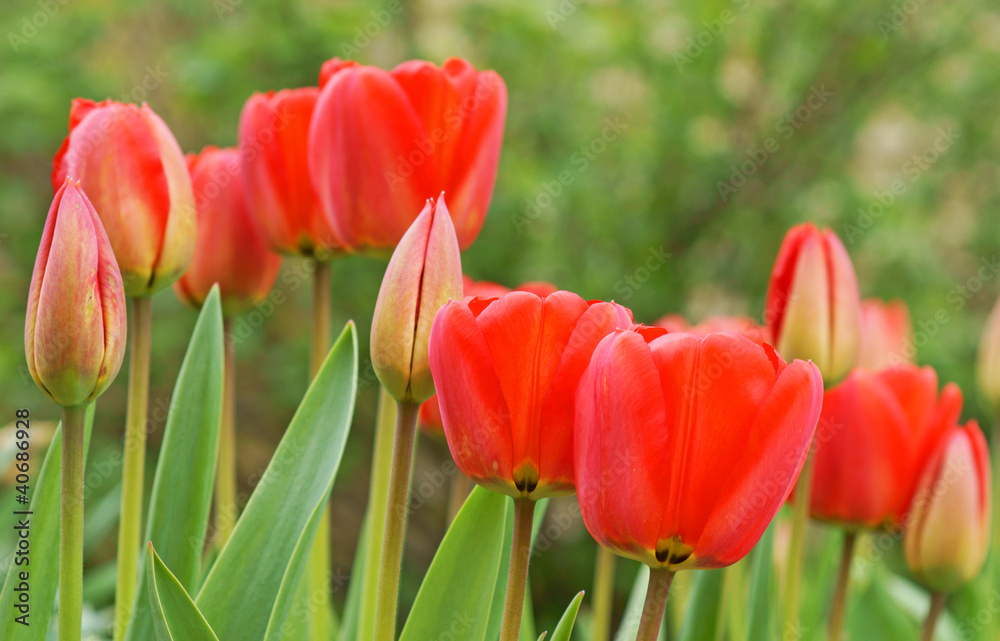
[229, 248]
[886, 336]
[948, 529]
[430, 413]
[813, 306]
[274, 134]
[131, 167]
[506, 371]
[74, 334]
[876, 432]
[687, 446]
[383, 142]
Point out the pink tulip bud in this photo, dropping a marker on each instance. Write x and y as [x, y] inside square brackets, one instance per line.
[813, 306]
[948, 531]
[424, 273]
[74, 335]
[887, 334]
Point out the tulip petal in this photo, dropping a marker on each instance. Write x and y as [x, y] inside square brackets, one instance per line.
[475, 416]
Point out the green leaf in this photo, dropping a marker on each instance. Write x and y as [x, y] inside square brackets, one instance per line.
[564, 628]
[701, 619]
[352, 605]
[181, 499]
[457, 593]
[761, 624]
[43, 567]
[174, 615]
[249, 589]
[874, 615]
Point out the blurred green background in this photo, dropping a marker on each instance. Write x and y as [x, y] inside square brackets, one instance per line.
[698, 131]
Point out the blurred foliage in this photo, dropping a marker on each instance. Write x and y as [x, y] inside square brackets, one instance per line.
[808, 109]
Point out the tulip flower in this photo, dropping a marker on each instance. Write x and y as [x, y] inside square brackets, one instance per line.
[430, 413]
[74, 337]
[813, 307]
[382, 142]
[74, 340]
[686, 446]
[229, 249]
[948, 529]
[424, 272]
[132, 169]
[506, 370]
[876, 433]
[886, 336]
[273, 135]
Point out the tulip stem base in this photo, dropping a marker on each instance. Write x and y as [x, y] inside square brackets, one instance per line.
[318, 574]
[133, 468]
[71, 525]
[396, 515]
[225, 478]
[933, 614]
[797, 545]
[656, 603]
[604, 593]
[839, 605]
[517, 574]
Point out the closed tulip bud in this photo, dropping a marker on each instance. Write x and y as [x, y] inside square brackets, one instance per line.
[876, 433]
[382, 141]
[948, 529]
[507, 371]
[424, 272]
[430, 412]
[813, 305]
[274, 135]
[131, 167]
[886, 336]
[74, 336]
[988, 362]
[686, 446]
[229, 249]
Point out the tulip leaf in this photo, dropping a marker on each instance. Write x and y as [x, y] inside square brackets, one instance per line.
[564, 628]
[702, 616]
[181, 499]
[456, 596]
[174, 615]
[761, 622]
[875, 615]
[43, 575]
[247, 593]
[352, 605]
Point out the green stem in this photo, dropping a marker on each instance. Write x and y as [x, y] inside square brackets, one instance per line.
[130, 521]
[71, 525]
[656, 603]
[840, 592]
[604, 593]
[517, 576]
[378, 497]
[225, 478]
[796, 548]
[320, 626]
[937, 607]
[397, 512]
